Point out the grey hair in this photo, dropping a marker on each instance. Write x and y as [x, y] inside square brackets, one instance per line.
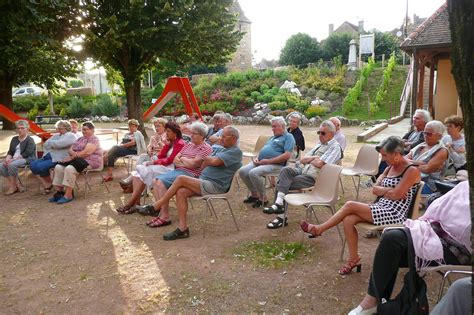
[233, 131]
[160, 120]
[227, 117]
[391, 144]
[437, 126]
[335, 119]
[199, 128]
[217, 116]
[64, 124]
[295, 115]
[328, 124]
[22, 123]
[426, 114]
[279, 120]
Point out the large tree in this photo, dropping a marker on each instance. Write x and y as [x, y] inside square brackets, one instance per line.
[32, 44]
[133, 36]
[299, 50]
[337, 44]
[461, 22]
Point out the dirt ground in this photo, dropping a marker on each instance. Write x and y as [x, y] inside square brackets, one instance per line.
[83, 257]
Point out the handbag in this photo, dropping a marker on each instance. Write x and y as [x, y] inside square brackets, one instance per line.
[412, 298]
[78, 163]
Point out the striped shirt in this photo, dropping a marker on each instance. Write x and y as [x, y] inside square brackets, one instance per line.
[329, 153]
[192, 151]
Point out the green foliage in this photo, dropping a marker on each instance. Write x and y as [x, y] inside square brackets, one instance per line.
[78, 108]
[355, 92]
[278, 105]
[32, 113]
[273, 254]
[75, 83]
[105, 107]
[63, 112]
[337, 44]
[320, 76]
[25, 103]
[387, 43]
[314, 111]
[382, 90]
[300, 49]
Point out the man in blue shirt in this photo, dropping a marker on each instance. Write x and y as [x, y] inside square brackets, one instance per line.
[273, 156]
[218, 171]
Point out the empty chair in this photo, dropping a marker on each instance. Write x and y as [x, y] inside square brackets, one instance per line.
[258, 146]
[367, 163]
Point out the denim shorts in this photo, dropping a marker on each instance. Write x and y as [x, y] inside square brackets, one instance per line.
[168, 178]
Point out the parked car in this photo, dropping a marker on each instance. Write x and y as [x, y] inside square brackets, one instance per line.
[29, 90]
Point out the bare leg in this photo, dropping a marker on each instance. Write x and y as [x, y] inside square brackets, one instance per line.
[138, 188]
[159, 190]
[351, 235]
[368, 302]
[68, 193]
[182, 205]
[46, 181]
[109, 171]
[191, 183]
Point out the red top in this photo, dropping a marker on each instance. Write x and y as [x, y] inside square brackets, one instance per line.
[177, 145]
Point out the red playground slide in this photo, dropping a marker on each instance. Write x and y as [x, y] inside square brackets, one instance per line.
[34, 128]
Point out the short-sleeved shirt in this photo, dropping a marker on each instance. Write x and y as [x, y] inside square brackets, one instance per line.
[95, 158]
[192, 151]
[276, 146]
[219, 135]
[329, 153]
[458, 159]
[222, 175]
[341, 139]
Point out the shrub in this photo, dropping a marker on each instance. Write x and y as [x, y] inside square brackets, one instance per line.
[105, 107]
[355, 92]
[382, 90]
[278, 105]
[78, 108]
[32, 113]
[314, 111]
[26, 103]
[63, 112]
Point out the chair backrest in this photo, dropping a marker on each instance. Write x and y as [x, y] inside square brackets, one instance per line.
[415, 209]
[233, 184]
[260, 143]
[327, 183]
[367, 160]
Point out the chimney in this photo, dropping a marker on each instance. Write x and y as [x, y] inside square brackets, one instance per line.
[361, 26]
[331, 28]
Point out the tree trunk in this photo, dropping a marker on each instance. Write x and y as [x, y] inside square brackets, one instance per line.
[6, 100]
[51, 102]
[134, 104]
[461, 21]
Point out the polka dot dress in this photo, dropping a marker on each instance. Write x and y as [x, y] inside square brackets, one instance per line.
[386, 211]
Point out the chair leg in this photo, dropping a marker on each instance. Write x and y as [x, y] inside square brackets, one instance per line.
[205, 219]
[342, 186]
[341, 257]
[357, 187]
[212, 207]
[232, 214]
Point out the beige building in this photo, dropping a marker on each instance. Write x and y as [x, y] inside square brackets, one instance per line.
[242, 58]
[349, 28]
[430, 48]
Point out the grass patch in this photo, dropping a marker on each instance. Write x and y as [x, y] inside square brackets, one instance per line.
[395, 88]
[273, 254]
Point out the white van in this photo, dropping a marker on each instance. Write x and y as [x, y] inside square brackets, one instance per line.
[29, 90]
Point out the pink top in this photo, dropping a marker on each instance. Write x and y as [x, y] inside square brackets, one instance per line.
[94, 159]
[192, 151]
[156, 143]
[177, 145]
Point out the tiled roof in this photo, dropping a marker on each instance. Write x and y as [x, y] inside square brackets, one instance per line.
[434, 31]
[356, 28]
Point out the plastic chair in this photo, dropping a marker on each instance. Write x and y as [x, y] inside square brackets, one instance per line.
[128, 161]
[85, 174]
[445, 271]
[324, 193]
[210, 207]
[258, 146]
[367, 163]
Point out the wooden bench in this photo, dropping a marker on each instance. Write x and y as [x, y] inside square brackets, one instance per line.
[47, 120]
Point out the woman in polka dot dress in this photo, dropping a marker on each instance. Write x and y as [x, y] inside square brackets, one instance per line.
[395, 190]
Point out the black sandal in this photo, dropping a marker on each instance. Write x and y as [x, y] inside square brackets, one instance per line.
[148, 210]
[277, 223]
[259, 203]
[176, 234]
[275, 209]
[250, 199]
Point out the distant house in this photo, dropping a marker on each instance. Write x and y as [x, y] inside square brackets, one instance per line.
[349, 28]
[242, 58]
[430, 48]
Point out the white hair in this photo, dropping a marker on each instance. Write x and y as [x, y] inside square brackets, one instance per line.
[437, 126]
[328, 124]
[22, 123]
[295, 115]
[199, 128]
[233, 131]
[426, 114]
[279, 120]
[335, 121]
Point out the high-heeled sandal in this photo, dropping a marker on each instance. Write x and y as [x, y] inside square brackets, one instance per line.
[350, 264]
[306, 227]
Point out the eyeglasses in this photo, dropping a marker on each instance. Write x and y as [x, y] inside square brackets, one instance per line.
[428, 134]
[85, 129]
[322, 133]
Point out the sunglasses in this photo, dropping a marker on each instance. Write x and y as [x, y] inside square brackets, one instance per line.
[322, 133]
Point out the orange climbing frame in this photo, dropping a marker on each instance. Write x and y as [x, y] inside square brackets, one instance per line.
[34, 128]
[173, 86]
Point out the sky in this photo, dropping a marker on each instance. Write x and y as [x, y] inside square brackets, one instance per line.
[274, 21]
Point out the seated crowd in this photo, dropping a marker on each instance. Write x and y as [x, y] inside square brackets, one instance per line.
[206, 161]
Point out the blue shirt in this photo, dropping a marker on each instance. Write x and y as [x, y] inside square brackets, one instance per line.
[276, 146]
[222, 175]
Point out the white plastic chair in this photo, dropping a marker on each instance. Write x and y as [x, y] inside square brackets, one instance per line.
[258, 146]
[210, 207]
[324, 193]
[367, 163]
[445, 271]
[129, 160]
[85, 174]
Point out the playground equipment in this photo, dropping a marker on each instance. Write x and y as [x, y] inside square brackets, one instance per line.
[34, 128]
[173, 86]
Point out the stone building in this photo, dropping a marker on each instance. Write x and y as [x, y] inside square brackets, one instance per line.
[242, 58]
[348, 27]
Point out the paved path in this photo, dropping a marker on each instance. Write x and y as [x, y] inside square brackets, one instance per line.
[398, 129]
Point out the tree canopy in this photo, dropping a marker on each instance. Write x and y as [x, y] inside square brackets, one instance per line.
[337, 44]
[133, 36]
[300, 49]
[32, 44]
